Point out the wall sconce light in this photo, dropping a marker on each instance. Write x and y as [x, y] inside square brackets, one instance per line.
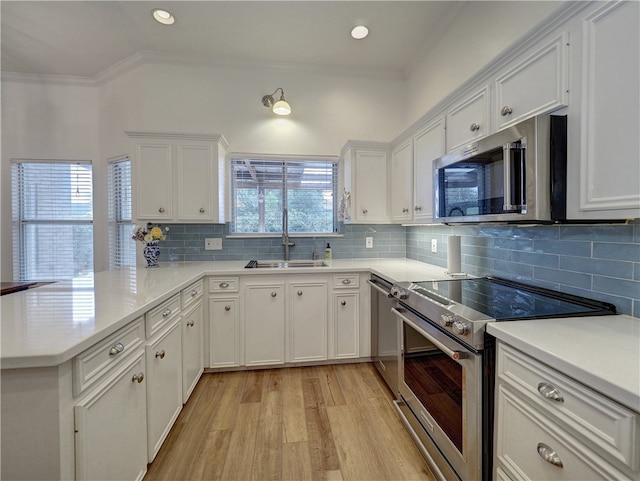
[281, 107]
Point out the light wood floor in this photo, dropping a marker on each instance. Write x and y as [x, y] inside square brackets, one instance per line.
[310, 423]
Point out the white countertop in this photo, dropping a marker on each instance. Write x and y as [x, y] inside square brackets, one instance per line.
[600, 352]
[49, 325]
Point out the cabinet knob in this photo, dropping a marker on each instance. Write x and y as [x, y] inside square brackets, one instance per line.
[299, 293]
[550, 392]
[190, 324]
[343, 303]
[223, 285]
[117, 348]
[138, 377]
[405, 210]
[364, 211]
[274, 294]
[166, 313]
[474, 127]
[346, 282]
[194, 293]
[160, 354]
[161, 210]
[417, 208]
[506, 110]
[227, 308]
[202, 210]
[549, 455]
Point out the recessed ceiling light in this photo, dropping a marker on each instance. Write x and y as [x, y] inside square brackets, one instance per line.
[359, 32]
[163, 16]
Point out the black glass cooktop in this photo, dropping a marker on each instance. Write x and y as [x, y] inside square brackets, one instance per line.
[505, 300]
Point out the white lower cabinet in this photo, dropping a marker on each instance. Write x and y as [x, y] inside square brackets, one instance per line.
[164, 386]
[308, 316]
[346, 338]
[264, 322]
[111, 426]
[550, 427]
[224, 332]
[192, 349]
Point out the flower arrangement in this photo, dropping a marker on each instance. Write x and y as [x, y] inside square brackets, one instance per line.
[149, 233]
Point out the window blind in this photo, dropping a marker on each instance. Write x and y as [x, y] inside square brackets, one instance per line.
[52, 214]
[262, 188]
[122, 249]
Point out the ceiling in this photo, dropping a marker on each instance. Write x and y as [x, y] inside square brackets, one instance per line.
[84, 38]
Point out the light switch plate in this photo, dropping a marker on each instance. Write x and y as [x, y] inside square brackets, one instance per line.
[368, 242]
[213, 244]
[434, 245]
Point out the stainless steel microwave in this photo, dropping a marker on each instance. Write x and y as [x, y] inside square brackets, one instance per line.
[516, 175]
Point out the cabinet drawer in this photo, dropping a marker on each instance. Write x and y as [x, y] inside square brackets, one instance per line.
[94, 363]
[160, 316]
[346, 281]
[525, 436]
[598, 421]
[192, 293]
[223, 284]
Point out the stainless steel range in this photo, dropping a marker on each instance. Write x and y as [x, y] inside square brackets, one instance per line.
[447, 362]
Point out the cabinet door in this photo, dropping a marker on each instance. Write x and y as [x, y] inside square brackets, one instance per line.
[307, 321]
[196, 180]
[264, 321]
[402, 182]
[192, 355]
[164, 386]
[154, 181]
[537, 85]
[468, 121]
[369, 203]
[224, 332]
[111, 426]
[428, 145]
[346, 334]
[609, 166]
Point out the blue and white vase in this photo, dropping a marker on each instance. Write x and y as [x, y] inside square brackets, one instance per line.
[151, 253]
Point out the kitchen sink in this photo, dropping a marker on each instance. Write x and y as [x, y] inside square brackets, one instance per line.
[284, 264]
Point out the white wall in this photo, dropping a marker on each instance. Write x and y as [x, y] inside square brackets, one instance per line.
[479, 33]
[46, 121]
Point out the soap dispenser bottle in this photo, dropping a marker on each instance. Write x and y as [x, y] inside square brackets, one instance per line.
[327, 252]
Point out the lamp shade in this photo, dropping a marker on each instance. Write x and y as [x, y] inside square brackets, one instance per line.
[281, 107]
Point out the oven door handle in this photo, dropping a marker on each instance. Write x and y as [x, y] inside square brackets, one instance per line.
[455, 355]
[377, 287]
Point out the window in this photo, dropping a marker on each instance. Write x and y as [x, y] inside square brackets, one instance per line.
[261, 188]
[122, 250]
[52, 214]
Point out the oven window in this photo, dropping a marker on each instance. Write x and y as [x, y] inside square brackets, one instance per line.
[436, 381]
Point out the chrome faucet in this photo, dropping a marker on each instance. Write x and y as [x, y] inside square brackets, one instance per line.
[285, 234]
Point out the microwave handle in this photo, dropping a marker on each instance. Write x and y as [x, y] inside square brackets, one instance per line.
[509, 178]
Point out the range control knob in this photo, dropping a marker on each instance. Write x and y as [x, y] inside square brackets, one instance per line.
[460, 327]
[399, 293]
[446, 320]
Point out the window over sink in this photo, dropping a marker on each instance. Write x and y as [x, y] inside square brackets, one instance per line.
[262, 187]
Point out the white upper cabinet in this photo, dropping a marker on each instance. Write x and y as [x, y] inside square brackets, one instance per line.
[537, 85]
[176, 177]
[402, 182]
[468, 120]
[428, 145]
[607, 174]
[365, 182]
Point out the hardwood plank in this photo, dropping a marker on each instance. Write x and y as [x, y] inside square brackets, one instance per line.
[253, 386]
[295, 428]
[296, 462]
[224, 414]
[267, 463]
[239, 461]
[331, 390]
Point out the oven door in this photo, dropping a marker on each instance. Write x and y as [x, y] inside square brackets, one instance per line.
[441, 383]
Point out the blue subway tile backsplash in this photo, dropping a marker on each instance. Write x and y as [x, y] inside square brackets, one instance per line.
[597, 261]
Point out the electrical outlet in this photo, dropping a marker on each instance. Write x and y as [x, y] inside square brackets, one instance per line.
[213, 244]
[368, 242]
[434, 245]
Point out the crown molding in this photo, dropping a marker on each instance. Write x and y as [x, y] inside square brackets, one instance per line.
[33, 78]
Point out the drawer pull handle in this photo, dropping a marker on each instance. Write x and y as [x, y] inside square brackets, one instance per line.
[161, 210]
[223, 285]
[506, 110]
[343, 303]
[160, 354]
[405, 210]
[549, 455]
[138, 377]
[346, 281]
[550, 392]
[474, 127]
[365, 211]
[117, 348]
[201, 210]
[227, 308]
[166, 313]
[190, 324]
[194, 293]
[417, 208]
